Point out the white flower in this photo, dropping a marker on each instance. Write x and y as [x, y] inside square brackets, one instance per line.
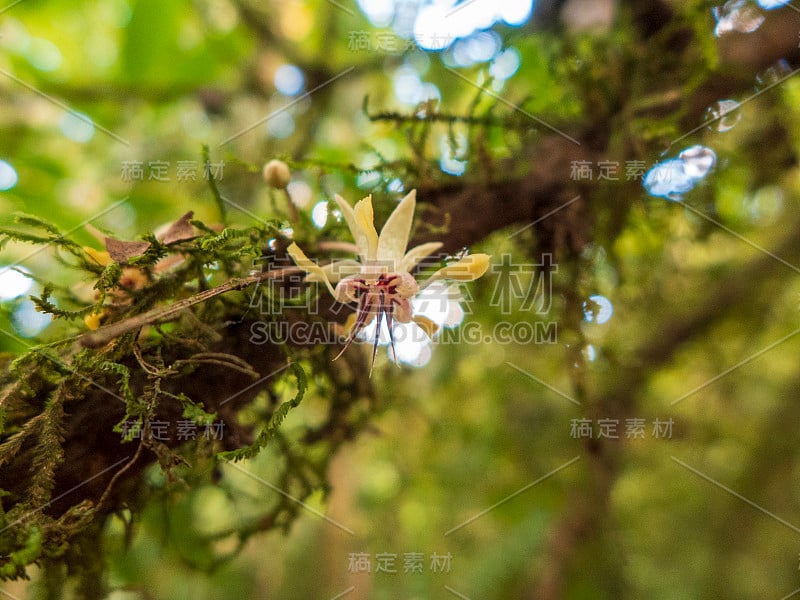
[440, 303]
[380, 282]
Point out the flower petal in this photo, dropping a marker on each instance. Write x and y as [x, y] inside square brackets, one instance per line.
[361, 225]
[313, 269]
[402, 310]
[394, 235]
[468, 268]
[417, 253]
[338, 269]
[93, 320]
[365, 222]
[101, 258]
[428, 326]
[348, 290]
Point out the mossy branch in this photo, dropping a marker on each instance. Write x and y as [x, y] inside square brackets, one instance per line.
[271, 428]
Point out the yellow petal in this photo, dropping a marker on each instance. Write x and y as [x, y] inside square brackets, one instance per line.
[365, 221]
[394, 235]
[98, 256]
[429, 327]
[468, 268]
[309, 266]
[93, 320]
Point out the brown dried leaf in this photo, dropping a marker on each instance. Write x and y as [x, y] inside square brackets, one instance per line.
[121, 250]
[180, 230]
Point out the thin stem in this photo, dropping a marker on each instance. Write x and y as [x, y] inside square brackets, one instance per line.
[104, 335]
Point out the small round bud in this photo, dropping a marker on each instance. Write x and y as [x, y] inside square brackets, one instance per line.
[276, 174]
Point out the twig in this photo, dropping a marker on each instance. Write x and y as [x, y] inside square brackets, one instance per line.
[119, 474]
[104, 335]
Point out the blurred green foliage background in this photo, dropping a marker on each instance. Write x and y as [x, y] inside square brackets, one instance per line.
[475, 456]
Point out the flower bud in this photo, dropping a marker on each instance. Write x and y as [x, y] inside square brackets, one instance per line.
[276, 174]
